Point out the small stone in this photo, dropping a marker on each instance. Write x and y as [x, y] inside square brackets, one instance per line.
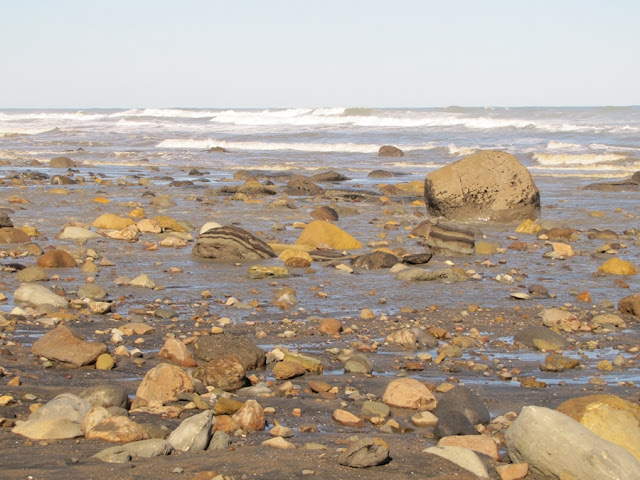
[105, 362]
[347, 419]
[367, 452]
[279, 443]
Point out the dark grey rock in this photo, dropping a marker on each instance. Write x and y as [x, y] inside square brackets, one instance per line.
[463, 400]
[219, 441]
[5, 221]
[62, 180]
[301, 185]
[375, 260]
[527, 336]
[417, 258]
[390, 151]
[330, 176]
[453, 422]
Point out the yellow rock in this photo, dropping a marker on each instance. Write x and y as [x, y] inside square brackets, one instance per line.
[320, 233]
[295, 258]
[101, 200]
[418, 203]
[168, 223]
[31, 231]
[137, 213]
[105, 362]
[597, 213]
[484, 247]
[416, 187]
[616, 266]
[528, 226]
[281, 247]
[112, 221]
[608, 416]
[58, 191]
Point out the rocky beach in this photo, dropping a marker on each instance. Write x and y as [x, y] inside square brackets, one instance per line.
[192, 320]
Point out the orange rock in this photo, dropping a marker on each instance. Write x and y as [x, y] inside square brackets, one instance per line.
[56, 259]
[347, 419]
[513, 471]
[478, 443]
[330, 326]
[584, 297]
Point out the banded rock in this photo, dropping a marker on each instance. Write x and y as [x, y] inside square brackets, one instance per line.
[231, 244]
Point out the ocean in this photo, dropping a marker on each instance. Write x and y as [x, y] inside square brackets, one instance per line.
[584, 142]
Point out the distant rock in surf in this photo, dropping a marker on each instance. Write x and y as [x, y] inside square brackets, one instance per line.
[390, 151]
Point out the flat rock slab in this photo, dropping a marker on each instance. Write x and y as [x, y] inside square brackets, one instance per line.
[66, 345]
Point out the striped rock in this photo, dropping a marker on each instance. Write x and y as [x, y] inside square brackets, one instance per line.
[446, 240]
[231, 244]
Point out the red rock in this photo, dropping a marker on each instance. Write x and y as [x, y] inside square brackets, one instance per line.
[478, 443]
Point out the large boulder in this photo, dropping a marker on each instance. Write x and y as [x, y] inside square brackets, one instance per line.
[231, 244]
[486, 186]
[556, 446]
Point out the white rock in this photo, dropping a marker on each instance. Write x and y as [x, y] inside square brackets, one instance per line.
[193, 433]
[463, 457]
[209, 226]
[33, 294]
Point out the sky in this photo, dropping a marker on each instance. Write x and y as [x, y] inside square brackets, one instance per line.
[308, 53]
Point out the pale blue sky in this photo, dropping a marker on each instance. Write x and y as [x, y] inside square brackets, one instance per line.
[259, 53]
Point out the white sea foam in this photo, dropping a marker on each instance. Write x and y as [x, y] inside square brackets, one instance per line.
[12, 131]
[565, 159]
[291, 146]
[460, 151]
[553, 145]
